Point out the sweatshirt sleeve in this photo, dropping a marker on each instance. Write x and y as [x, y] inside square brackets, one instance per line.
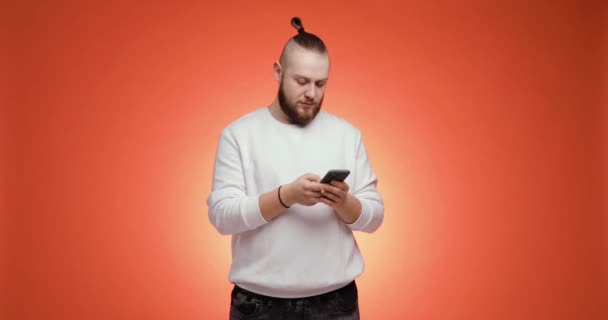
[364, 189]
[231, 211]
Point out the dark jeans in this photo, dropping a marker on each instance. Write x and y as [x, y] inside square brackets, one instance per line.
[340, 304]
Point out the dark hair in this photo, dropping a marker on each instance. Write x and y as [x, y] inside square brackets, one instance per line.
[307, 40]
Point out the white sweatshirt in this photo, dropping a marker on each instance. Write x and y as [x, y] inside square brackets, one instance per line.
[307, 250]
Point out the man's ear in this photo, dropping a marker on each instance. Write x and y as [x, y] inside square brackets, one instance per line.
[277, 70]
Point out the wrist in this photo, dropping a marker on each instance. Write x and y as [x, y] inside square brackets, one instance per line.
[342, 208]
[286, 195]
[350, 210]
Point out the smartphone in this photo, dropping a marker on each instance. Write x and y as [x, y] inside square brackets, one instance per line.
[335, 174]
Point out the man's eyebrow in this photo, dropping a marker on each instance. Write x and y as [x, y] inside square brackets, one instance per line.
[301, 76]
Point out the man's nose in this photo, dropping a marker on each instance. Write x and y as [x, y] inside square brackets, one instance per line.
[311, 92]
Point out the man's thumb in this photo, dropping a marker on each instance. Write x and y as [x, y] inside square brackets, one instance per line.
[312, 177]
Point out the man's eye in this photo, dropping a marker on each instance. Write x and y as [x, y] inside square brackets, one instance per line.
[320, 84]
[301, 83]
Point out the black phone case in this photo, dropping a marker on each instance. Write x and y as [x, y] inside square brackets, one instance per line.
[335, 174]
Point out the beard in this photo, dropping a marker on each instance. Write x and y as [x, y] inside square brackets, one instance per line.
[291, 110]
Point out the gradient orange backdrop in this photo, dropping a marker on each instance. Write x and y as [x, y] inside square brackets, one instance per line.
[483, 121]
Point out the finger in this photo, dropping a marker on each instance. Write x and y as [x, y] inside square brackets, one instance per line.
[313, 194]
[335, 190]
[329, 195]
[315, 186]
[326, 201]
[339, 184]
[311, 177]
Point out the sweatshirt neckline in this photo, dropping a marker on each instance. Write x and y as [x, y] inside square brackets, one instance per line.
[291, 125]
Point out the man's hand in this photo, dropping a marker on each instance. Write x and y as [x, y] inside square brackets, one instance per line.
[346, 206]
[305, 190]
[334, 194]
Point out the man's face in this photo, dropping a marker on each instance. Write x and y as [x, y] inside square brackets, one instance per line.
[302, 85]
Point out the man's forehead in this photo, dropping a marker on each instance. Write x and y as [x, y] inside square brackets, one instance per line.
[310, 65]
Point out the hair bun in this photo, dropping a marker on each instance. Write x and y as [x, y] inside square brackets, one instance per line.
[297, 23]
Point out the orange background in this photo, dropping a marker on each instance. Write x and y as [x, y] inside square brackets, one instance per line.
[484, 120]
